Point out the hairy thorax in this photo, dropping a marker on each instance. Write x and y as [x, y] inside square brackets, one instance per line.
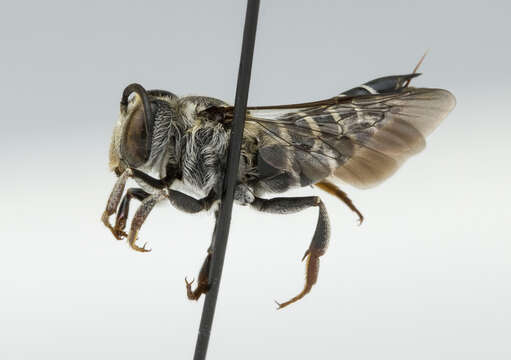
[203, 151]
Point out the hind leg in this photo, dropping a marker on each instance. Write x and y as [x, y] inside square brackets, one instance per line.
[332, 189]
[319, 243]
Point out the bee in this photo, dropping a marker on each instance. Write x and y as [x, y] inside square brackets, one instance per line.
[175, 148]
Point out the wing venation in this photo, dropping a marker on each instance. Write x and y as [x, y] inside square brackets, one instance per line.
[360, 140]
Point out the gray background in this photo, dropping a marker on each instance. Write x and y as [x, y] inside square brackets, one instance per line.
[426, 276]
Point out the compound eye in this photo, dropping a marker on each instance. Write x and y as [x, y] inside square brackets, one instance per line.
[138, 125]
[135, 147]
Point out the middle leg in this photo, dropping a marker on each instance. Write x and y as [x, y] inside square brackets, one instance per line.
[203, 279]
[178, 199]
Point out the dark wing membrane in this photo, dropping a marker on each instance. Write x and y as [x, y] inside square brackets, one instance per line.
[361, 140]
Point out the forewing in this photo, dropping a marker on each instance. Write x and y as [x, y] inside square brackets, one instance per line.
[301, 144]
[361, 140]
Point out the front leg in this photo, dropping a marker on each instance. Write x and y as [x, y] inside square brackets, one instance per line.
[114, 198]
[118, 189]
[140, 216]
[319, 241]
[124, 208]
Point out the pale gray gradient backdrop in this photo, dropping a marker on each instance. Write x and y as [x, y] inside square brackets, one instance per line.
[428, 274]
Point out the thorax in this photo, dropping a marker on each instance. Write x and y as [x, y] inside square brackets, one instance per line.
[201, 156]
